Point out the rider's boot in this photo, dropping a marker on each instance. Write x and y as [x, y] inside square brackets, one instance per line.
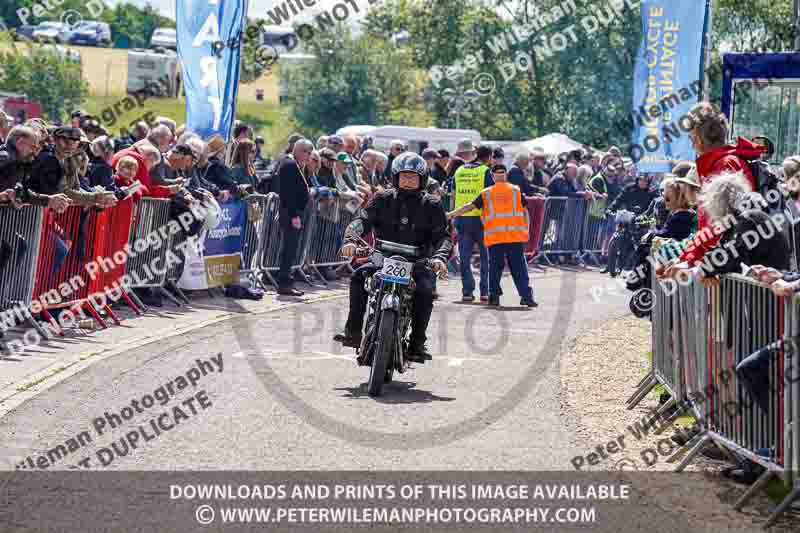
[418, 352]
[348, 340]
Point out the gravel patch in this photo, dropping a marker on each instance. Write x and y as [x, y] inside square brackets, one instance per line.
[598, 374]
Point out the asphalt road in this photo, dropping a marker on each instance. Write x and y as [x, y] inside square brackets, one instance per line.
[288, 398]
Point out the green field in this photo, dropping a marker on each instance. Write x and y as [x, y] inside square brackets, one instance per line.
[269, 120]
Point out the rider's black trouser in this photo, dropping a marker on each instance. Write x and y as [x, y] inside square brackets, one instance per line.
[420, 313]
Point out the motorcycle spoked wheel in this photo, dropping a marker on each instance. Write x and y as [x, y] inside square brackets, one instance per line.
[642, 303]
[384, 349]
[613, 253]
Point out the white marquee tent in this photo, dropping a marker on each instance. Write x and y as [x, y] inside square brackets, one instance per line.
[553, 144]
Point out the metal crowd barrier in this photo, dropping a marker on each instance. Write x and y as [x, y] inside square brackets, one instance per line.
[666, 343]
[149, 243]
[593, 235]
[562, 229]
[701, 336]
[330, 222]
[271, 241]
[258, 227]
[20, 237]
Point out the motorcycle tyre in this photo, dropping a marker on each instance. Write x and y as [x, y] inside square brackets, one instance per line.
[382, 356]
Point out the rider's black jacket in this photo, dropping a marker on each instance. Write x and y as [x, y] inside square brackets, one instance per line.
[634, 199]
[415, 219]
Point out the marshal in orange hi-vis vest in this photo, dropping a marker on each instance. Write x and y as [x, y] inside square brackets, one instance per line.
[505, 219]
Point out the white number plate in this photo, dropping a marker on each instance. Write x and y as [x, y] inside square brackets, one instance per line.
[397, 271]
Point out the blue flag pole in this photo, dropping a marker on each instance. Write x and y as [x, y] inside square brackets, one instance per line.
[707, 52]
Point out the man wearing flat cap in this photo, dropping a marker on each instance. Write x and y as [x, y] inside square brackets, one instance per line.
[58, 171]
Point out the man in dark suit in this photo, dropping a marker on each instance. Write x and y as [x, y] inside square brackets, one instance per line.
[292, 188]
[516, 176]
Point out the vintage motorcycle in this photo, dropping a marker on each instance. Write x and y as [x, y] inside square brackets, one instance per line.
[623, 244]
[385, 344]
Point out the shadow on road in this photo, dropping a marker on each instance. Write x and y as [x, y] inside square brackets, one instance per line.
[396, 392]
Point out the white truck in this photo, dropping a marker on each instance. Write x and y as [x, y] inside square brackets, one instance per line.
[417, 138]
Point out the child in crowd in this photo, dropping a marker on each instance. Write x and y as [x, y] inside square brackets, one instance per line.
[127, 167]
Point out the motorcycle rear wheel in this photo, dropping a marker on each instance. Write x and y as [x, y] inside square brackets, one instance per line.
[382, 356]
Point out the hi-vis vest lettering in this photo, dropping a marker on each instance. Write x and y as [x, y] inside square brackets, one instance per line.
[505, 219]
[469, 183]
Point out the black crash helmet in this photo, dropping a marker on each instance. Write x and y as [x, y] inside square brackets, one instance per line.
[410, 162]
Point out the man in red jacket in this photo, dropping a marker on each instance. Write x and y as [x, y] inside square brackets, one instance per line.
[714, 157]
[147, 156]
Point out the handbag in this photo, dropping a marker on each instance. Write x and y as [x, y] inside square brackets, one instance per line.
[254, 212]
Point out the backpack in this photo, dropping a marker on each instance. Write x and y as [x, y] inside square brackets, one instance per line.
[767, 184]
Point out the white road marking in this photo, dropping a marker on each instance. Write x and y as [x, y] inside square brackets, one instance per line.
[459, 361]
[321, 356]
[265, 355]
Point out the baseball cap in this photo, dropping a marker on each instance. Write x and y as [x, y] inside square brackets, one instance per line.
[499, 168]
[73, 134]
[465, 145]
[343, 157]
[335, 139]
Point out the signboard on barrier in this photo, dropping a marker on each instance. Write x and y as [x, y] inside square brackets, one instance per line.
[223, 246]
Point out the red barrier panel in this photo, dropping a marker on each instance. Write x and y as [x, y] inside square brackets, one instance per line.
[66, 244]
[107, 267]
[76, 268]
[536, 214]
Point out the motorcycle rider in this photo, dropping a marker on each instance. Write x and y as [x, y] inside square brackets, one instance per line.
[636, 197]
[407, 215]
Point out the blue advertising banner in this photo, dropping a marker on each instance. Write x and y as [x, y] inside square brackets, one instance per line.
[209, 37]
[223, 245]
[667, 81]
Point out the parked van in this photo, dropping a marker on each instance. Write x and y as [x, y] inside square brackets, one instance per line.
[150, 68]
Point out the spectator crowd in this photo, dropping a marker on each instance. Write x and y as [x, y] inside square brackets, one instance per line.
[80, 164]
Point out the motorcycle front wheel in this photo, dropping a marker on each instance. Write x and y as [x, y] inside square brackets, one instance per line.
[382, 357]
[613, 252]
